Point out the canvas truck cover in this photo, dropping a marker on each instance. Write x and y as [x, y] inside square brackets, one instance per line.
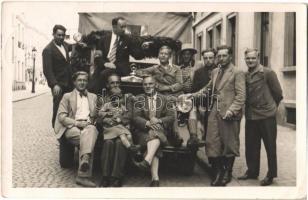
[176, 25]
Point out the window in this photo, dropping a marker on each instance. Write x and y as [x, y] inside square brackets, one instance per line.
[199, 44]
[18, 33]
[13, 49]
[291, 115]
[22, 71]
[290, 39]
[209, 38]
[217, 35]
[264, 40]
[231, 41]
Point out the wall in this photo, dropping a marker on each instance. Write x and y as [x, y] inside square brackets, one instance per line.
[246, 36]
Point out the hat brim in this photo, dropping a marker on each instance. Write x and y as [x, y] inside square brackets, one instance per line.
[194, 51]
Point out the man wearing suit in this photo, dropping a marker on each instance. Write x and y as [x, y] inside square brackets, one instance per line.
[75, 121]
[117, 47]
[153, 114]
[263, 97]
[56, 67]
[226, 102]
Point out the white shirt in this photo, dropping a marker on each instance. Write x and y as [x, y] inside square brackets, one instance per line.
[62, 50]
[92, 67]
[83, 110]
[113, 38]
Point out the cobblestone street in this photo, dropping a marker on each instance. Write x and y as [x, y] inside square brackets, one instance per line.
[35, 155]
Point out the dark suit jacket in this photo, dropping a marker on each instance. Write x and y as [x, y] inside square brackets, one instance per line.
[126, 47]
[56, 68]
[67, 111]
[201, 78]
[80, 61]
[164, 112]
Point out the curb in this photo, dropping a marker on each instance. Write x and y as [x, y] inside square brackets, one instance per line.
[36, 95]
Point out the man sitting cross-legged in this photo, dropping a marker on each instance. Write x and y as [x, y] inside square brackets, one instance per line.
[153, 115]
[75, 121]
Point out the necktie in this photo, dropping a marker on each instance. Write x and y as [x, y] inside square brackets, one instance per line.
[152, 111]
[219, 76]
[113, 51]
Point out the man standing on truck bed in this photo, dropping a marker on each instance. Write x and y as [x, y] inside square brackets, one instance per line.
[56, 67]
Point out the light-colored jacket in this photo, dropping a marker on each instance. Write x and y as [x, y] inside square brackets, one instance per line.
[231, 91]
[67, 111]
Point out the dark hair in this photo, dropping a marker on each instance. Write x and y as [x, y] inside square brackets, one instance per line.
[116, 19]
[225, 47]
[112, 74]
[79, 73]
[58, 26]
[209, 50]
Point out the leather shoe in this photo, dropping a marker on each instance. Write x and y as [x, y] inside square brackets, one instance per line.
[85, 181]
[84, 163]
[104, 182]
[154, 183]
[266, 181]
[143, 165]
[195, 142]
[226, 178]
[116, 182]
[246, 176]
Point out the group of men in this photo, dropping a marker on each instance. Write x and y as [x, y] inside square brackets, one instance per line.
[150, 115]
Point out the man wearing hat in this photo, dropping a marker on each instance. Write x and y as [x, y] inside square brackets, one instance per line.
[188, 68]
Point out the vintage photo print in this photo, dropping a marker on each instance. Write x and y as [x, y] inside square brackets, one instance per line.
[153, 100]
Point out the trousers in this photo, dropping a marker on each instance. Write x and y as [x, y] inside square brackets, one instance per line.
[113, 158]
[255, 131]
[84, 139]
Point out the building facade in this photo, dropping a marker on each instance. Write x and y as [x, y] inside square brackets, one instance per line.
[19, 41]
[274, 34]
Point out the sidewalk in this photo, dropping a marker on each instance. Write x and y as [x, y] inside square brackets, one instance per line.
[286, 159]
[20, 95]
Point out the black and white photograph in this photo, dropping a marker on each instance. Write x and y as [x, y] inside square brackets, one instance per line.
[108, 100]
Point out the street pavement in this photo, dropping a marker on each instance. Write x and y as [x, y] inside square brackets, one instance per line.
[36, 150]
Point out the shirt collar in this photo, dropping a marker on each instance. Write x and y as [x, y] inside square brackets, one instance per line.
[115, 36]
[85, 93]
[153, 96]
[60, 46]
[259, 68]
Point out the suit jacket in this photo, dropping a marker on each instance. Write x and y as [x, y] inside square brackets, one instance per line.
[164, 112]
[56, 67]
[67, 110]
[231, 91]
[263, 93]
[126, 47]
[172, 78]
[201, 77]
[80, 61]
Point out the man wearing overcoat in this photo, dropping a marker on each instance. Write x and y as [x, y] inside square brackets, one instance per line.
[226, 103]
